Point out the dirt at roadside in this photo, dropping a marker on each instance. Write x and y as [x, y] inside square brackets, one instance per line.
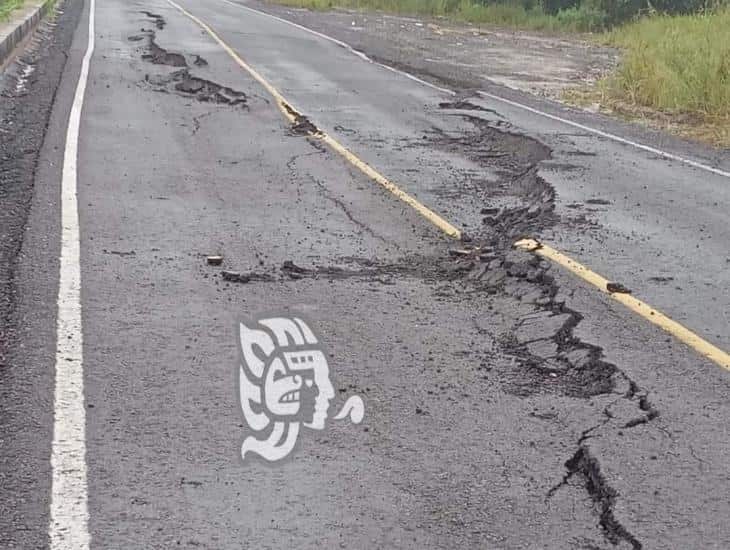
[537, 63]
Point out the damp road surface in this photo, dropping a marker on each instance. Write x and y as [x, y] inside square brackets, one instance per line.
[508, 404]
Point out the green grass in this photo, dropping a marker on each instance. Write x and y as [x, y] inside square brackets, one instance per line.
[456, 10]
[676, 63]
[7, 6]
[677, 66]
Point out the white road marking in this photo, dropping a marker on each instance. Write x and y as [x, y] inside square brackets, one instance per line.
[665, 154]
[68, 528]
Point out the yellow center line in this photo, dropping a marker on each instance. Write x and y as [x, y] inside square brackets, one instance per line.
[293, 115]
[649, 313]
[634, 304]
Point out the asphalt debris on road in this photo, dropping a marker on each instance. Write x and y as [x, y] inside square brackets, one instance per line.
[214, 260]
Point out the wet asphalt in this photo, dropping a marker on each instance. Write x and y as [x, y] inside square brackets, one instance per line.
[507, 405]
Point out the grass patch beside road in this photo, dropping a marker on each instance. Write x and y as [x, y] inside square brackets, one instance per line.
[674, 71]
[675, 64]
[8, 6]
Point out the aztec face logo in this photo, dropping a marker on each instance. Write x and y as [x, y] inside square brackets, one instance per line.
[284, 383]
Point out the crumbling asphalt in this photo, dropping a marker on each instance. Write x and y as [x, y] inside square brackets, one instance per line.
[507, 405]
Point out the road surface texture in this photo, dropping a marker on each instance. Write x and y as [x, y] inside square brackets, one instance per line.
[508, 404]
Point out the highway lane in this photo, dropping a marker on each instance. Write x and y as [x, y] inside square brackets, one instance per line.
[501, 411]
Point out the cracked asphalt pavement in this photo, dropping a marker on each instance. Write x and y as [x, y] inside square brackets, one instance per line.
[508, 405]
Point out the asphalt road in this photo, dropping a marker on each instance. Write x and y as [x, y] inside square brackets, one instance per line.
[507, 403]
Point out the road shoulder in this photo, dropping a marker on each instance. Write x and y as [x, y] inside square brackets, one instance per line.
[38, 106]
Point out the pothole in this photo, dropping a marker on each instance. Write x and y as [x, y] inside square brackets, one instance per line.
[183, 83]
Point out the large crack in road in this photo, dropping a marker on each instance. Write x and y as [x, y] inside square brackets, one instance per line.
[548, 356]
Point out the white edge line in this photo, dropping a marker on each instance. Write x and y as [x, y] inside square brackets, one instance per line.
[607, 135]
[69, 516]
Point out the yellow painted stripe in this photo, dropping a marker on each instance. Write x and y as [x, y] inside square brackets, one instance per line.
[292, 115]
[649, 313]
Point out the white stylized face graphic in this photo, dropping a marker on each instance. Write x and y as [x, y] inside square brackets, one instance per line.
[284, 383]
[297, 387]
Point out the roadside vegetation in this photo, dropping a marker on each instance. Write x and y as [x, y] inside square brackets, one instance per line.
[7, 6]
[679, 68]
[553, 15]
